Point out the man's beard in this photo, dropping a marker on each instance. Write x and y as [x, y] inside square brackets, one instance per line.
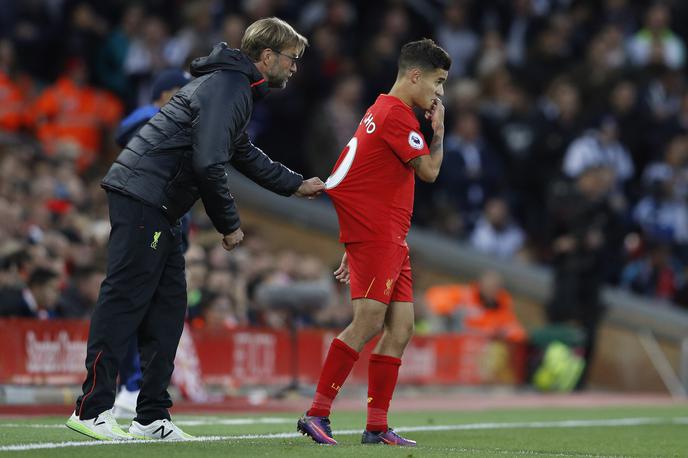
[277, 83]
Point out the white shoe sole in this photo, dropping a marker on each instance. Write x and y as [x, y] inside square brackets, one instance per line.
[79, 427]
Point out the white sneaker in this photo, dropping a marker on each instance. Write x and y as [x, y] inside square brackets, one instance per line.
[104, 427]
[160, 430]
[125, 404]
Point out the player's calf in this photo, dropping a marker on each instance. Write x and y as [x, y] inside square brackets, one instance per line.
[394, 340]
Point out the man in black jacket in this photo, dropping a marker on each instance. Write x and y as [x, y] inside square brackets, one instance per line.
[181, 154]
[585, 232]
[165, 85]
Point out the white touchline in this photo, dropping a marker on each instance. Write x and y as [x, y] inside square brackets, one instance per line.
[190, 422]
[235, 421]
[348, 432]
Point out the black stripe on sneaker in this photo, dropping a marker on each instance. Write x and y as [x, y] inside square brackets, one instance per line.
[163, 435]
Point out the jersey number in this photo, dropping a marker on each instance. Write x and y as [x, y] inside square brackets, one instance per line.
[344, 166]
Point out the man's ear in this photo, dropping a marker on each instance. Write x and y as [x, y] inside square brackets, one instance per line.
[414, 75]
[265, 56]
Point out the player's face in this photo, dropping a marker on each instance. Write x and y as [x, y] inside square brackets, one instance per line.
[281, 67]
[430, 87]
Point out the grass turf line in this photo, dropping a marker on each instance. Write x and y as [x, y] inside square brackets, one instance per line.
[478, 434]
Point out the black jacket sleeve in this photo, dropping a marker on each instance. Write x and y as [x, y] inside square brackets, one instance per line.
[220, 106]
[124, 133]
[256, 165]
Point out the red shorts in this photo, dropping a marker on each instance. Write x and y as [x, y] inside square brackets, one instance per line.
[380, 271]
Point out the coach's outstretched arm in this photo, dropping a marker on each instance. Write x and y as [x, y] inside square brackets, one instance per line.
[428, 166]
[252, 162]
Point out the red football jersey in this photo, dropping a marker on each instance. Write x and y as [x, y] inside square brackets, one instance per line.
[372, 184]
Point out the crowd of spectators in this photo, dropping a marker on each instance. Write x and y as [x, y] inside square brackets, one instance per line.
[547, 100]
[54, 227]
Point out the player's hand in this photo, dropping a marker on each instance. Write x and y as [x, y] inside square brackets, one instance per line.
[230, 241]
[436, 116]
[342, 274]
[310, 188]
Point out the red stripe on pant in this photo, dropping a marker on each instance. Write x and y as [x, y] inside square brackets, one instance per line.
[81, 407]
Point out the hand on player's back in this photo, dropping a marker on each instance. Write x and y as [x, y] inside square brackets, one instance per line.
[310, 188]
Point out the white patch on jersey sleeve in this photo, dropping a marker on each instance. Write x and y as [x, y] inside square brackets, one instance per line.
[415, 140]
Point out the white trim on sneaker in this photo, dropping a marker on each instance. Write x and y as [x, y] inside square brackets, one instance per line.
[159, 430]
[103, 427]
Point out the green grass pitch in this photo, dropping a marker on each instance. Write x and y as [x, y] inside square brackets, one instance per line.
[541, 432]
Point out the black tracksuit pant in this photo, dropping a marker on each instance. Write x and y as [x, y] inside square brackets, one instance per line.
[143, 294]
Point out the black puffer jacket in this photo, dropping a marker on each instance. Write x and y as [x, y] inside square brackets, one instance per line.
[181, 154]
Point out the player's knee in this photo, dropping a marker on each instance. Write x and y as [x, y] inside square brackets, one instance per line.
[369, 323]
[401, 334]
[406, 332]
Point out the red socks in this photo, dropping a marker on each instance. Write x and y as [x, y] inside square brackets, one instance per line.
[383, 372]
[340, 359]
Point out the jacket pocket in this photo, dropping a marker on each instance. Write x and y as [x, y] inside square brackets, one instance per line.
[178, 194]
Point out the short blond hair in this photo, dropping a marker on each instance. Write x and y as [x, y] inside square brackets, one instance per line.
[273, 33]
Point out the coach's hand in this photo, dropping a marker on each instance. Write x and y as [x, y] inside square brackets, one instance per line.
[310, 188]
[342, 274]
[230, 241]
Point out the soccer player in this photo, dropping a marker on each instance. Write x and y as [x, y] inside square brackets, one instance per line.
[372, 189]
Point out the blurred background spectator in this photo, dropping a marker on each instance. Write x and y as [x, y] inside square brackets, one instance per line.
[483, 307]
[656, 272]
[36, 300]
[496, 233]
[656, 43]
[81, 293]
[584, 233]
[471, 173]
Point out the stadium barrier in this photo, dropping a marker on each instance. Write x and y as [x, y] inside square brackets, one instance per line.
[52, 353]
